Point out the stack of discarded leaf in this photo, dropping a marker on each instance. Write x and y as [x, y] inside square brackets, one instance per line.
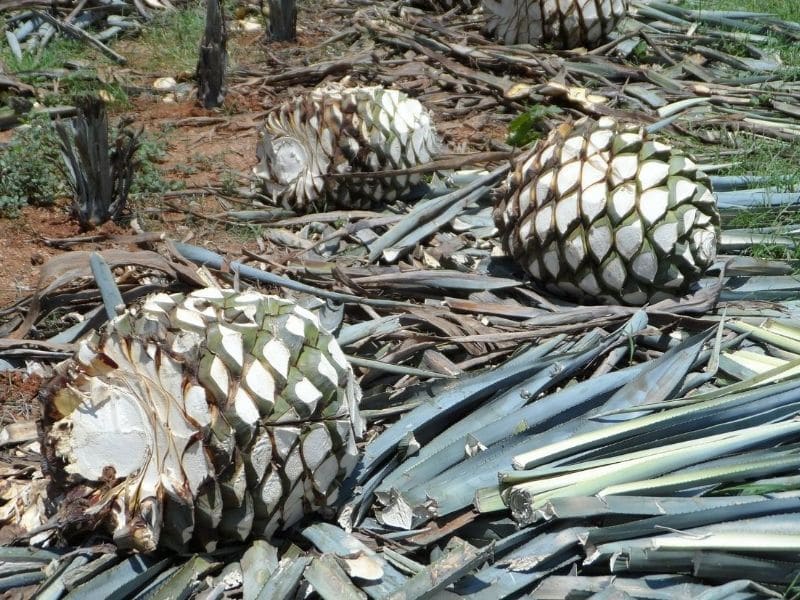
[694, 70]
[542, 446]
[580, 437]
[654, 468]
[625, 452]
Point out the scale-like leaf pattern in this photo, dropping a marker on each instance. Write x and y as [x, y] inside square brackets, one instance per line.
[338, 130]
[561, 23]
[202, 419]
[600, 213]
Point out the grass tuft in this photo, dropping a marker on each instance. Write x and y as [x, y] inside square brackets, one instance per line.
[53, 56]
[170, 43]
[750, 154]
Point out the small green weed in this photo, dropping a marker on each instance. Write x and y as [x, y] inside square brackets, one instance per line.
[523, 129]
[640, 53]
[150, 176]
[185, 169]
[230, 182]
[792, 591]
[246, 233]
[30, 168]
[202, 161]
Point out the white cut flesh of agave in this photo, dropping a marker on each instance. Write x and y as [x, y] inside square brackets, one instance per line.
[291, 160]
[113, 431]
[133, 412]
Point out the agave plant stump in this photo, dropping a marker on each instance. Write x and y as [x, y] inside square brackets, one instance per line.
[213, 58]
[281, 20]
[100, 174]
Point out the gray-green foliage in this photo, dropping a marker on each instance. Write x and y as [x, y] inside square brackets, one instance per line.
[30, 168]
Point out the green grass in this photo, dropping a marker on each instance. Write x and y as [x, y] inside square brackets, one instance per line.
[788, 10]
[32, 66]
[52, 56]
[169, 44]
[753, 155]
[778, 161]
[748, 154]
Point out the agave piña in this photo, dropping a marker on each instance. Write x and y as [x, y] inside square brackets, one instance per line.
[200, 419]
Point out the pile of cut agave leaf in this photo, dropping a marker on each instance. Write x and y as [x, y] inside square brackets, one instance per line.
[706, 74]
[515, 444]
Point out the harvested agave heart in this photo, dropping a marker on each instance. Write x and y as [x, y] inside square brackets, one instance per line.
[599, 213]
[344, 130]
[561, 23]
[201, 419]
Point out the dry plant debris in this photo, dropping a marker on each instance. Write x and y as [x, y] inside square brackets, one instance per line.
[515, 442]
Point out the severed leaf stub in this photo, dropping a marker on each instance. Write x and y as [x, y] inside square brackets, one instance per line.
[200, 419]
[600, 213]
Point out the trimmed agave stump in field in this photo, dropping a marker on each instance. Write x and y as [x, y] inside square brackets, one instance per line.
[562, 23]
[200, 419]
[336, 130]
[213, 57]
[100, 174]
[281, 17]
[600, 213]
